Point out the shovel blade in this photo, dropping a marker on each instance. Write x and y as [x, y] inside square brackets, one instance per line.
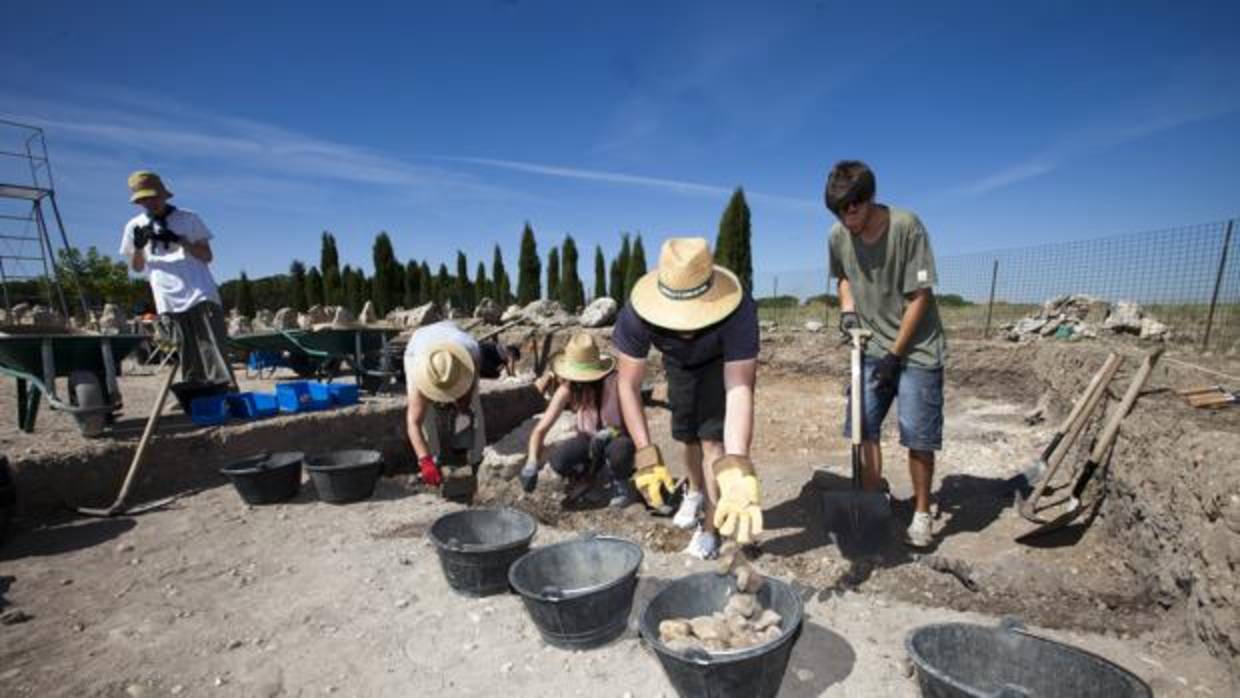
[857, 522]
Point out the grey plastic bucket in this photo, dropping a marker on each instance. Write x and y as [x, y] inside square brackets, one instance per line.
[579, 593]
[477, 546]
[962, 660]
[756, 672]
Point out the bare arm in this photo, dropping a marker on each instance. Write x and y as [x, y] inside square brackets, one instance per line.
[919, 303]
[415, 414]
[554, 409]
[629, 387]
[846, 298]
[137, 262]
[738, 381]
[201, 250]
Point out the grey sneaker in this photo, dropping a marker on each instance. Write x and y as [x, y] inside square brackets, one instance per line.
[623, 494]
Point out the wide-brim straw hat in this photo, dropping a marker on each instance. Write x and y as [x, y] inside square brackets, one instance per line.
[581, 361]
[144, 184]
[444, 372]
[687, 291]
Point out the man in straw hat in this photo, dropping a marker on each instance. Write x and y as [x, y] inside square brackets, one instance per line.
[706, 325]
[881, 256]
[174, 247]
[441, 374]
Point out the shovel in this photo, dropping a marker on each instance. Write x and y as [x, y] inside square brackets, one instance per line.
[857, 521]
[118, 507]
[1100, 450]
[1043, 470]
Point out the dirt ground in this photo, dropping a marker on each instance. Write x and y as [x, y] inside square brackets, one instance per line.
[211, 597]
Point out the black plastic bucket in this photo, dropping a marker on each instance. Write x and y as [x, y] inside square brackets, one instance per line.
[477, 546]
[268, 478]
[8, 497]
[755, 672]
[961, 660]
[579, 593]
[341, 477]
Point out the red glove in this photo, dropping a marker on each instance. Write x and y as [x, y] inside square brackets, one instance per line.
[430, 471]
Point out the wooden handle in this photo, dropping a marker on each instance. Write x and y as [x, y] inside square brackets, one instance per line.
[858, 337]
[1130, 397]
[1079, 407]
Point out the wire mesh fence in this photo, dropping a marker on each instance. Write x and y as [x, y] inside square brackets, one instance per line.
[1187, 278]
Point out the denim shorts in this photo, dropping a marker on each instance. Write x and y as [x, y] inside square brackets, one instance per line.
[920, 409]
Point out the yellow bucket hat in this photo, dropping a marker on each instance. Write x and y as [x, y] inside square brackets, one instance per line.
[145, 184]
[444, 372]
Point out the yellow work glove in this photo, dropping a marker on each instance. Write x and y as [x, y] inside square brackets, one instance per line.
[651, 477]
[738, 513]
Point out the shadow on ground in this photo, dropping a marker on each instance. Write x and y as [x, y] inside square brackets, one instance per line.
[63, 538]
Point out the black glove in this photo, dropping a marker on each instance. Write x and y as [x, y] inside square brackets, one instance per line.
[141, 235]
[887, 373]
[848, 322]
[167, 237]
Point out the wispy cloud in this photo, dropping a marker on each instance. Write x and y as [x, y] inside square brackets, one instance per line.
[670, 185]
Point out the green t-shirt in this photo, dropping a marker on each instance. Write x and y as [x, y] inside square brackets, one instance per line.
[881, 275]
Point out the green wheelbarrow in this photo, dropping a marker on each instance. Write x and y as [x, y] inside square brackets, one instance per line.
[90, 362]
[321, 353]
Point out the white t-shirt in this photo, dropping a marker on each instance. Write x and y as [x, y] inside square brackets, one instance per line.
[179, 280]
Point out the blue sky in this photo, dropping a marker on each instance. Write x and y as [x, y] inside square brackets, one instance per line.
[451, 124]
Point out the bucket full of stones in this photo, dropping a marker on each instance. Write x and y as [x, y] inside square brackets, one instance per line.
[723, 636]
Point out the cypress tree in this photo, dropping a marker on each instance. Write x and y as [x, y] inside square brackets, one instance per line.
[600, 273]
[499, 277]
[297, 285]
[245, 297]
[482, 289]
[553, 274]
[385, 291]
[732, 247]
[636, 266]
[622, 262]
[572, 293]
[427, 292]
[462, 289]
[617, 282]
[329, 266]
[314, 287]
[529, 269]
[352, 289]
[443, 285]
[413, 284]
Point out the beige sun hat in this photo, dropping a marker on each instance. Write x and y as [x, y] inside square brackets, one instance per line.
[581, 361]
[444, 372]
[687, 291]
[145, 184]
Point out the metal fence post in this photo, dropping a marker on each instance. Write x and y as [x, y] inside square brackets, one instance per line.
[990, 304]
[1218, 282]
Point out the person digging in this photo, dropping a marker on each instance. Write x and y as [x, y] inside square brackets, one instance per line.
[601, 452]
[706, 325]
[441, 369]
[173, 246]
[882, 258]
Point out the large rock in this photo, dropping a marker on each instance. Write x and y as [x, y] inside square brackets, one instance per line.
[1153, 329]
[488, 311]
[511, 314]
[547, 313]
[239, 324]
[600, 313]
[285, 319]
[42, 316]
[418, 317]
[304, 322]
[813, 326]
[344, 318]
[318, 315]
[368, 315]
[111, 321]
[264, 320]
[1125, 317]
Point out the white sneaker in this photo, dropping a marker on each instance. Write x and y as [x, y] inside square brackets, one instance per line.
[687, 515]
[704, 546]
[920, 534]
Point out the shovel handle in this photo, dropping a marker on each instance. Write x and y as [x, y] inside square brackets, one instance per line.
[859, 338]
[1079, 407]
[1130, 397]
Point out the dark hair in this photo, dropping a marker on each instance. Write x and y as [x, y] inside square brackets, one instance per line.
[850, 182]
[585, 393]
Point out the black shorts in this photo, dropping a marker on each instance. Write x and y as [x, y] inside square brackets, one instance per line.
[697, 398]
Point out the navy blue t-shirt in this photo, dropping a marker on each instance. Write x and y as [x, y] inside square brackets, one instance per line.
[735, 338]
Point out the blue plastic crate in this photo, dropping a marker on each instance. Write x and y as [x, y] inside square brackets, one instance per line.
[209, 410]
[259, 360]
[343, 393]
[253, 405]
[301, 396]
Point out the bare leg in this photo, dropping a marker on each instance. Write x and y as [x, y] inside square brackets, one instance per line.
[711, 452]
[921, 470]
[693, 464]
[872, 466]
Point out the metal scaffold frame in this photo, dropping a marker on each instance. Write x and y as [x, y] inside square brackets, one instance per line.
[15, 252]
